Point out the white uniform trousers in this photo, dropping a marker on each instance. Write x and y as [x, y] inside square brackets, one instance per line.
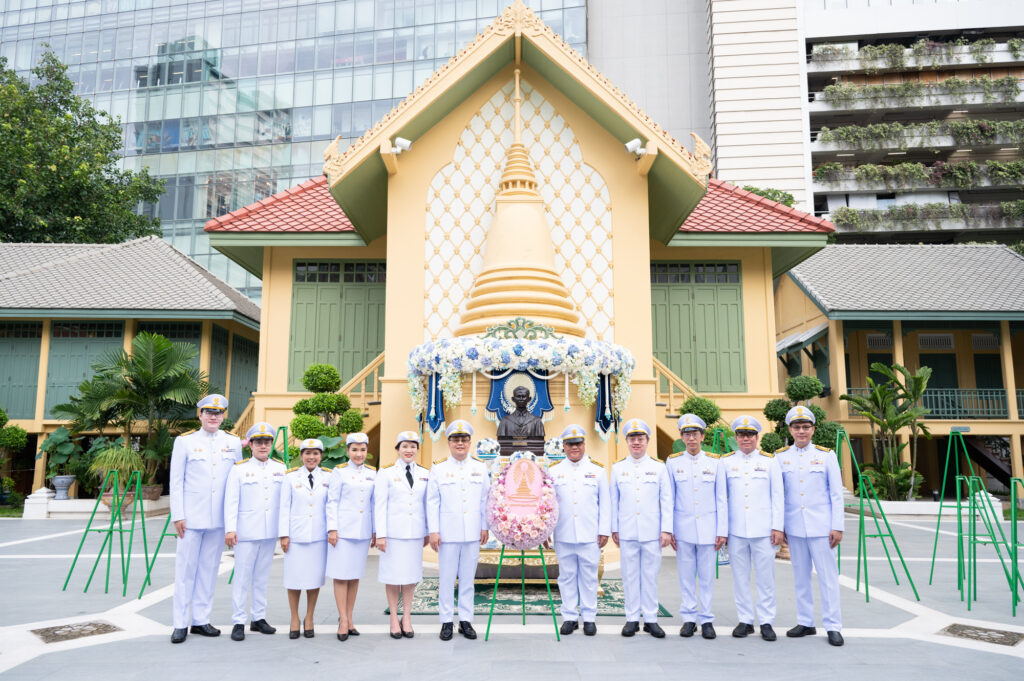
[696, 565]
[805, 551]
[252, 572]
[641, 563]
[196, 559]
[456, 559]
[758, 551]
[577, 579]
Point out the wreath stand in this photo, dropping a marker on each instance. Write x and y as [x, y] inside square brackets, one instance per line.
[523, 555]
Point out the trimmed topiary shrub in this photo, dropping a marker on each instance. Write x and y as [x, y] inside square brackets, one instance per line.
[772, 442]
[305, 426]
[321, 378]
[702, 407]
[803, 388]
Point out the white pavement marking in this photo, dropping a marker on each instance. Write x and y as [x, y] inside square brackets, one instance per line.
[68, 556]
[41, 538]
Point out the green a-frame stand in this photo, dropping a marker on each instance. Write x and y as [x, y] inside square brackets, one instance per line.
[867, 495]
[523, 555]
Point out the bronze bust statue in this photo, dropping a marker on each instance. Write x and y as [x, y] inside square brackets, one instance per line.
[521, 423]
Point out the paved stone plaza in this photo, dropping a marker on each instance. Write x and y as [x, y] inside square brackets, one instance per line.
[892, 635]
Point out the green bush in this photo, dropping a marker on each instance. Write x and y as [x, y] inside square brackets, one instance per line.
[3, 417]
[706, 409]
[303, 406]
[12, 439]
[329, 403]
[321, 378]
[825, 432]
[803, 388]
[772, 442]
[1013, 210]
[305, 426]
[828, 172]
[783, 197]
[351, 421]
[775, 410]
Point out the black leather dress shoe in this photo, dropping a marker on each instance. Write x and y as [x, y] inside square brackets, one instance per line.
[800, 630]
[568, 626]
[204, 630]
[446, 631]
[835, 638]
[630, 629]
[308, 633]
[767, 633]
[467, 630]
[353, 632]
[589, 628]
[686, 631]
[742, 630]
[238, 632]
[261, 626]
[707, 630]
[654, 629]
[294, 633]
[178, 635]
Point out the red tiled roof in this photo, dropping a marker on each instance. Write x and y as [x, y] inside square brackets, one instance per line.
[726, 208]
[307, 207]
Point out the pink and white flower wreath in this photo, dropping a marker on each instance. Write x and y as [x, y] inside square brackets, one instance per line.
[521, 532]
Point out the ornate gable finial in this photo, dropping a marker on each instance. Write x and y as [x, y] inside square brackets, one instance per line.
[702, 157]
[518, 18]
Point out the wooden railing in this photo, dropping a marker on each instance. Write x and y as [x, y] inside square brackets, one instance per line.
[365, 387]
[245, 419]
[672, 390]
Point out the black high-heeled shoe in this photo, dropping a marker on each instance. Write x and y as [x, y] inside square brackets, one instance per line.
[396, 634]
[294, 633]
[343, 637]
[308, 633]
[406, 634]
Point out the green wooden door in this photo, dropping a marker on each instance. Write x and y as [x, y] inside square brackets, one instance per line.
[244, 366]
[74, 347]
[177, 332]
[19, 367]
[697, 324]
[943, 366]
[337, 317]
[882, 357]
[988, 372]
[219, 360]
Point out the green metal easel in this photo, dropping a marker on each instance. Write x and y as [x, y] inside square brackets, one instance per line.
[117, 505]
[954, 448]
[866, 493]
[522, 578]
[1016, 486]
[979, 505]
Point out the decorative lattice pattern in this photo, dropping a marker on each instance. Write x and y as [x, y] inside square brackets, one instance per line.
[460, 204]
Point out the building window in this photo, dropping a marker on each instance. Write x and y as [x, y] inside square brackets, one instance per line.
[365, 273]
[21, 330]
[312, 272]
[87, 329]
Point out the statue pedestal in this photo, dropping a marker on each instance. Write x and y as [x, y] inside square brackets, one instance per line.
[534, 445]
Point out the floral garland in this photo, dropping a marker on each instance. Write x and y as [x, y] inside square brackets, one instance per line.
[522, 532]
[583, 360]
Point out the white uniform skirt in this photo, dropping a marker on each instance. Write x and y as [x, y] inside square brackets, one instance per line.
[347, 560]
[402, 562]
[304, 565]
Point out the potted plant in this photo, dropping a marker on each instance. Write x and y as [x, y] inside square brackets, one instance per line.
[123, 459]
[62, 449]
[155, 454]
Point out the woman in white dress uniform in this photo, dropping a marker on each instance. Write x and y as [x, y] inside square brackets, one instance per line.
[400, 522]
[303, 531]
[349, 528]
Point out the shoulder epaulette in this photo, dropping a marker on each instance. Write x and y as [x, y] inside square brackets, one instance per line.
[770, 455]
[390, 465]
[726, 454]
[366, 465]
[325, 470]
[189, 432]
[713, 455]
[675, 454]
[596, 463]
[291, 470]
[239, 463]
[824, 449]
[342, 465]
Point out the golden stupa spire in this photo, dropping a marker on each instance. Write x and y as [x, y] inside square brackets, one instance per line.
[518, 278]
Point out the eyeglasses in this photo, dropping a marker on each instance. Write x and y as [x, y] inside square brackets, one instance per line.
[745, 434]
[459, 438]
[692, 433]
[801, 426]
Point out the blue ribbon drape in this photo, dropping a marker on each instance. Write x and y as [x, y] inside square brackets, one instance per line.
[540, 403]
[435, 408]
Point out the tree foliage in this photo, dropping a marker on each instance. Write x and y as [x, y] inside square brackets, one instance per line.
[59, 156]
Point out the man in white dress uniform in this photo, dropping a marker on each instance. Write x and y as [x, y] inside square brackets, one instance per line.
[457, 523]
[583, 528]
[814, 524]
[756, 512]
[200, 463]
[252, 502]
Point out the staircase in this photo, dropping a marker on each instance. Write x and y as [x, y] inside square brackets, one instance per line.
[364, 390]
[995, 463]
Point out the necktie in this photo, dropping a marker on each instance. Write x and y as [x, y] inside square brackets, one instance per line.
[408, 473]
[311, 481]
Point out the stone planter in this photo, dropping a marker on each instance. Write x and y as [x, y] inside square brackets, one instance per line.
[61, 483]
[151, 492]
[126, 505]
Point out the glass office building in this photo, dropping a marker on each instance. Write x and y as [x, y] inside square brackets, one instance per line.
[231, 101]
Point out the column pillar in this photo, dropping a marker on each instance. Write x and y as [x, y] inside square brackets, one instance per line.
[897, 358]
[837, 378]
[1010, 383]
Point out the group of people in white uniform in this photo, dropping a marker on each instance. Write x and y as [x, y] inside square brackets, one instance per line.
[326, 522]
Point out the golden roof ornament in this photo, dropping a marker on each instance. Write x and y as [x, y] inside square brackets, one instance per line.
[518, 278]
